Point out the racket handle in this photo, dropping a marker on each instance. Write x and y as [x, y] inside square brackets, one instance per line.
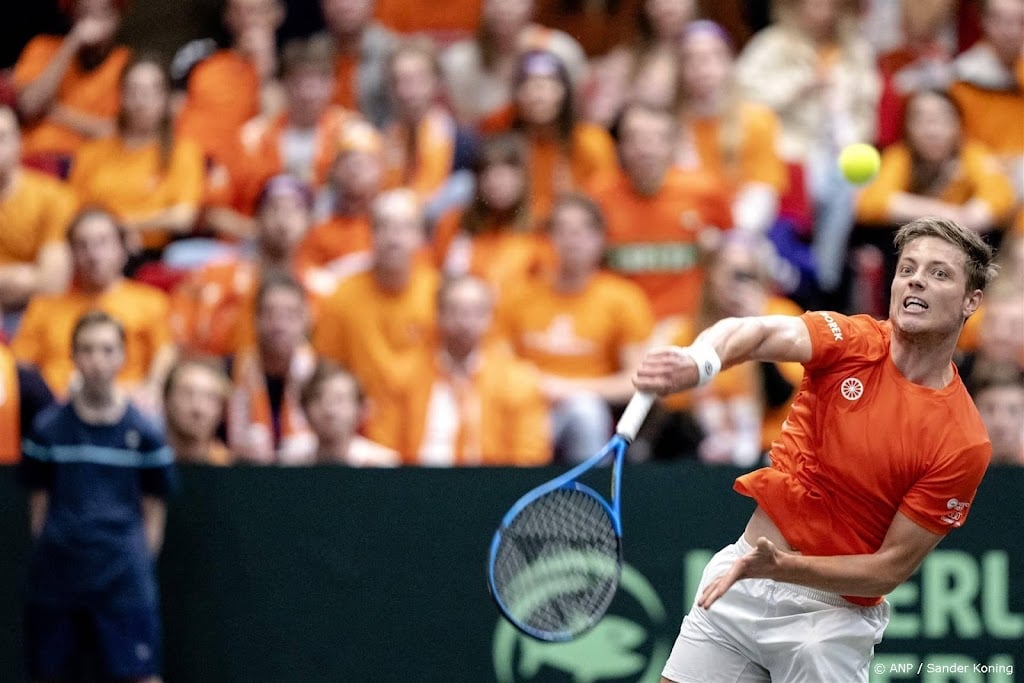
[634, 415]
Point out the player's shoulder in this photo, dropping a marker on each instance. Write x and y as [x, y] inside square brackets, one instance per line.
[850, 338]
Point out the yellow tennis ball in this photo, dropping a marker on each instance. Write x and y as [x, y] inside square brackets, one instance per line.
[859, 162]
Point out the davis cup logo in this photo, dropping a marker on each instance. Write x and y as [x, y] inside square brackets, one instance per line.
[851, 389]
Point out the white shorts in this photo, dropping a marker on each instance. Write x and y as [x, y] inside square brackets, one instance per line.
[763, 630]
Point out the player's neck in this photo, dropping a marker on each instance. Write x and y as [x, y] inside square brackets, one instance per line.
[927, 362]
[100, 405]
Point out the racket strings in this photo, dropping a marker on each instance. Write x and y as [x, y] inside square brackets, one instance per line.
[557, 565]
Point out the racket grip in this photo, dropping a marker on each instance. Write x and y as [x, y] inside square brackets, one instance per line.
[634, 415]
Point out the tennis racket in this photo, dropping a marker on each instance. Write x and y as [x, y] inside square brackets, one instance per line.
[556, 557]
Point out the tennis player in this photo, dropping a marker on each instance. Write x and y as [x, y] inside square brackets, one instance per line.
[879, 458]
[97, 472]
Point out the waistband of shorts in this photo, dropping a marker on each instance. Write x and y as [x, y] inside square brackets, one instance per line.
[826, 597]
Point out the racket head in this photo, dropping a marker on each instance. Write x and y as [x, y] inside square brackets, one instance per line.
[555, 562]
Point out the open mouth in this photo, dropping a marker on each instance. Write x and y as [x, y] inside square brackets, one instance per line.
[912, 303]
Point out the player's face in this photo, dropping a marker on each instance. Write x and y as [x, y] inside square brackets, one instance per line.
[705, 64]
[10, 141]
[283, 222]
[502, 186]
[540, 99]
[195, 404]
[97, 252]
[929, 292]
[281, 322]
[414, 84]
[578, 242]
[464, 316]
[98, 354]
[144, 97]
[933, 127]
[1002, 411]
[334, 412]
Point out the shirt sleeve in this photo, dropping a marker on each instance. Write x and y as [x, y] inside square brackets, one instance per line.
[940, 500]
[836, 338]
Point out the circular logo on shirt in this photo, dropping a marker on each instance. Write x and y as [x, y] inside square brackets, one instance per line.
[851, 388]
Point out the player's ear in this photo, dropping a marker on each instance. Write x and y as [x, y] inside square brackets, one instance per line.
[972, 302]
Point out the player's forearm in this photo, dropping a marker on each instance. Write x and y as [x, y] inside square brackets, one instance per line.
[154, 520]
[861, 575]
[763, 338]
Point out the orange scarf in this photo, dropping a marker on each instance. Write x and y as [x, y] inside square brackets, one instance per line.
[250, 422]
[10, 425]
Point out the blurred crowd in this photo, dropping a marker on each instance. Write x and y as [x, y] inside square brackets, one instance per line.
[446, 240]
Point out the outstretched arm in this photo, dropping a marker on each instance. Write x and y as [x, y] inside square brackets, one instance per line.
[905, 546]
[779, 338]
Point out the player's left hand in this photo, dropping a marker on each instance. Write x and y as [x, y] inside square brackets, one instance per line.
[762, 562]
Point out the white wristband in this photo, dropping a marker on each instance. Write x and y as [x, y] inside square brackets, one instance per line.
[707, 360]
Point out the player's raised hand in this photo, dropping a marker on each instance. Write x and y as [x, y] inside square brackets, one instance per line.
[666, 370]
[762, 562]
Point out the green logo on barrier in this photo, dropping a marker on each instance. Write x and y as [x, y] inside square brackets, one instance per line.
[620, 647]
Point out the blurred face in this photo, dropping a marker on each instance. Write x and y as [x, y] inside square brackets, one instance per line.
[464, 316]
[577, 240]
[818, 17]
[1003, 23]
[357, 175]
[507, 17]
[97, 252]
[397, 235]
[195, 403]
[540, 99]
[334, 411]
[933, 128]
[646, 144]
[705, 64]
[246, 16]
[929, 290]
[1002, 411]
[144, 98]
[1001, 334]
[281, 322]
[308, 89]
[413, 84]
[734, 282]
[502, 186]
[10, 141]
[283, 221]
[98, 355]
[668, 17]
[346, 16]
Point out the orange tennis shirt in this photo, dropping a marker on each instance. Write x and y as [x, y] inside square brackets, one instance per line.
[862, 443]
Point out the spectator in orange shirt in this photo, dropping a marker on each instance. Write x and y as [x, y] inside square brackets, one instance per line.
[377, 318]
[644, 69]
[361, 48]
[194, 397]
[933, 171]
[340, 246]
[740, 412]
[266, 423]
[67, 87]
[990, 86]
[213, 309]
[460, 401]
[99, 256]
[151, 180]
[733, 139]
[420, 142]
[583, 328]
[336, 408]
[565, 154]
[657, 213]
[494, 238]
[480, 71]
[34, 214]
[222, 89]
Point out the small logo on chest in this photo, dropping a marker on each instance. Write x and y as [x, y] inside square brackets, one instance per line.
[851, 388]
